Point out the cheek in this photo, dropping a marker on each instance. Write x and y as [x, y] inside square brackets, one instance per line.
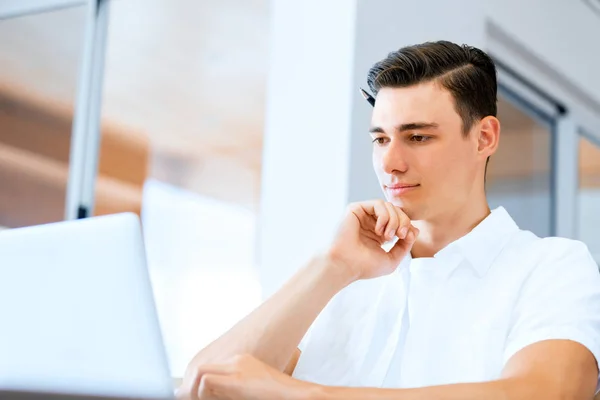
[445, 167]
[457, 166]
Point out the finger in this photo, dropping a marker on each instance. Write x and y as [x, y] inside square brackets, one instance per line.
[393, 223]
[190, 385]
[403, 247]
[221, 369]
[404, 225]
[378, 209]
[412, 235]
[369, 234]
[368, 223]
[365, 219]
[213, 387]
[181, 394]
[374, 209]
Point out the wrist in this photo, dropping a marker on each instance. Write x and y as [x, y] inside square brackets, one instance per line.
[335, 273]
[313, 391]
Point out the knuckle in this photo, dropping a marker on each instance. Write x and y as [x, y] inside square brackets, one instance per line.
[352, 206]
[236, 359]
[406, 220]
[206, 381]
[196, 371]
[208, 387]
[240, 358]
[204, 390]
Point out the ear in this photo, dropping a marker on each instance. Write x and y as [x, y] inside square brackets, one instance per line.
[488, 136]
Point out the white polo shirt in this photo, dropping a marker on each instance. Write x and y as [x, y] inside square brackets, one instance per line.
[459, 316]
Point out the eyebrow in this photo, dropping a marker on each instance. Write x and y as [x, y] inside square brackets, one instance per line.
[407, 127]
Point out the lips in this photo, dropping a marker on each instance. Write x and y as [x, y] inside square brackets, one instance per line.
[400, 189]
[401, 186]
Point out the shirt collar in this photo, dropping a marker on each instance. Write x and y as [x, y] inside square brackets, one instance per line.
[483, 244]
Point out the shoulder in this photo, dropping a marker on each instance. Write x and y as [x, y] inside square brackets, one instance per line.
[559, 297]
[564, 254]
[553, 268]
[553, 247]
[534, 253]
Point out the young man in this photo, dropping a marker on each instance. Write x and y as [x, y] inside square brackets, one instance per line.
[464, 305]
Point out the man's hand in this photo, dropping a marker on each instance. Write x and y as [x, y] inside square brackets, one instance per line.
[367, 225]
[243, 377]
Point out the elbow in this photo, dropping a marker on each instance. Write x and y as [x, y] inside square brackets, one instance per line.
[542, 389]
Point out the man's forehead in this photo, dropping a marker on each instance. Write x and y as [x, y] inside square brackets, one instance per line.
[427, 93]
[426, 102]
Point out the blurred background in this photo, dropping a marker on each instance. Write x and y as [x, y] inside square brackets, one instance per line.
[236, 131]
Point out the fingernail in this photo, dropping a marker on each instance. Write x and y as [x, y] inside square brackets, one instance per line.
[410, 237]
[403, 232]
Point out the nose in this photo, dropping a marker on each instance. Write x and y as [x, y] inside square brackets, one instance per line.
[393, 158]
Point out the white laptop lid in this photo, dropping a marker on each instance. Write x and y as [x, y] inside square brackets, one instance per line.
[77, 313]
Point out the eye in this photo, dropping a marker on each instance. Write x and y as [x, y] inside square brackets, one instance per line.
[380, 140]
[419, 138]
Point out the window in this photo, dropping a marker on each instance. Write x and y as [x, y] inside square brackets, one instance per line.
[201, 258]
[519, 173]
[37, 92]
[589, 194]
[186, 123]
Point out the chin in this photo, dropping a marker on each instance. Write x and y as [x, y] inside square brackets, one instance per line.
[411, 213]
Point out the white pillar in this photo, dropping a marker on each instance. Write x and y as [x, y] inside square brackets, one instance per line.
[306, 144]
[316, 151]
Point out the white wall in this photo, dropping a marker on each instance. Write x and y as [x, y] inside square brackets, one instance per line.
[306, 143]
[554, 45]
[563, 33]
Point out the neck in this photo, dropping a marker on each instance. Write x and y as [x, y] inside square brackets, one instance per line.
[439, 232]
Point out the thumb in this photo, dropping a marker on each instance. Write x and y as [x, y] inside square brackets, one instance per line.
[403, 246]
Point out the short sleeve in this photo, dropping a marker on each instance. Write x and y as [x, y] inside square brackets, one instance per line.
[304, 342]
[559, 300]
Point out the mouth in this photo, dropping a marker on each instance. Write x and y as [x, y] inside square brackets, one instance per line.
[398, 190]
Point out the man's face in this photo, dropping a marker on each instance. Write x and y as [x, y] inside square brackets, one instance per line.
[423, 161]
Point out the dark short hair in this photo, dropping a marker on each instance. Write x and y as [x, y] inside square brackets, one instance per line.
[467, 72]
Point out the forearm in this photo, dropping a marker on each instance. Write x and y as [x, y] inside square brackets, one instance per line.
[272, 332]
[504, 389]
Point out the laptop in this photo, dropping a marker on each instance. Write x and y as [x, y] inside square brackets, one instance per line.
[77, 313]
